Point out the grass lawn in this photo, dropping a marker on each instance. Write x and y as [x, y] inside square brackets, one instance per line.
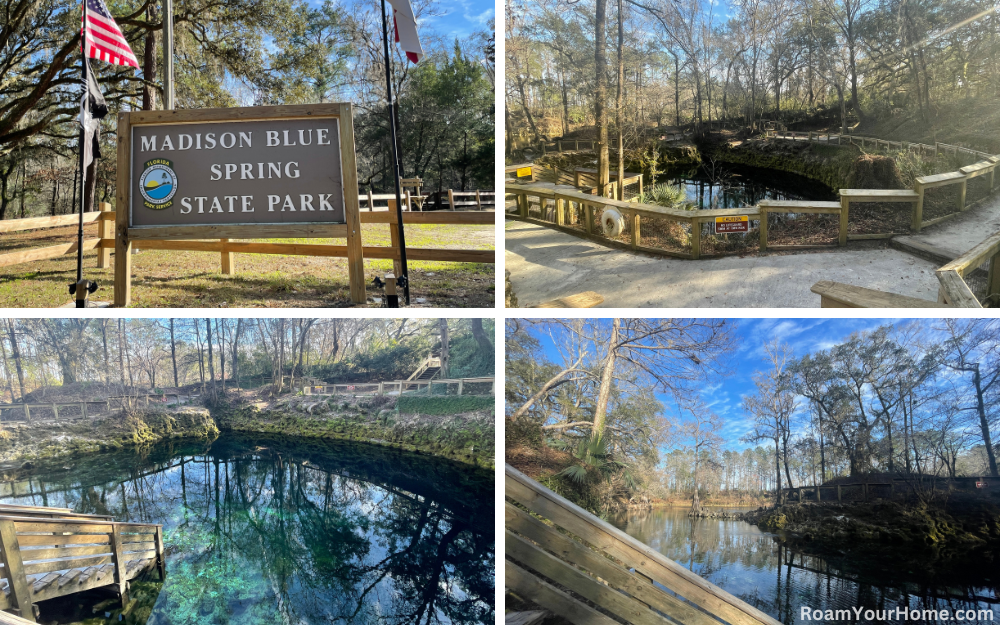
[194, 279]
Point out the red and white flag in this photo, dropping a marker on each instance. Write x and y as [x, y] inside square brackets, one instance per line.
[406, 29]
[105, 40]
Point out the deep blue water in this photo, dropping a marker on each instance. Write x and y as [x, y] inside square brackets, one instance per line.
[275, 531]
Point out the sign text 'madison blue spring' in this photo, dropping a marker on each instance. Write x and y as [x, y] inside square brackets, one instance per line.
[280, 171]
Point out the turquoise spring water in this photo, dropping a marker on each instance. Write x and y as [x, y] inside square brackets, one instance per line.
[277, 531]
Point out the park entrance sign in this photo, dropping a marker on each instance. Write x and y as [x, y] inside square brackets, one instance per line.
[238, 173]
[273, 171]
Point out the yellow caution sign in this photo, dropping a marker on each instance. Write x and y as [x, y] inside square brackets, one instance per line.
[523, 171]
[733, 223]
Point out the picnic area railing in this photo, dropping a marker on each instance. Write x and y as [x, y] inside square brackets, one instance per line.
[549, 539]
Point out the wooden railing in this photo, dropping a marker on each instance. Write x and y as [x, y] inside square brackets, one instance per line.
[84, 407]
[105, 242]
[880, 489]
[455, 386]
[692, 221]
[955, 290]
[970, 281]
[550, 538]
[46, 558]
[430, 361]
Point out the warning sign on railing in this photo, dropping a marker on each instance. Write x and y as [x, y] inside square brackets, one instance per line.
[981, 484]
[735, 223]
[523, 171]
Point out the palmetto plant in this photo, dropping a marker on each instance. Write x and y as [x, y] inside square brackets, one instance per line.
[594, 457]
[669, 196]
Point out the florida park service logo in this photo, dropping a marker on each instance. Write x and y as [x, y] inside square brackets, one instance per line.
[158, 184]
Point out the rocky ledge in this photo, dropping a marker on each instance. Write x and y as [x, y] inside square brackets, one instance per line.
[958, 522]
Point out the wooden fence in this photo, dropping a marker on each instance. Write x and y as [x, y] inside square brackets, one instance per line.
[105, 241]
[594, 563]
[531, 202]
[884, 489]
[456, 386]
[83, 409]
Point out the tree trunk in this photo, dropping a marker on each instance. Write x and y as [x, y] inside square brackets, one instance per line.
[600, 97]
[15, 352]
[149, 65]
[983, 423]
[121, 353]
[482, 340]
[235, 356]
[443, 330]
[220, 326]
[201, 354]
[618, 103]
[607, 378]
[211, 365]
[173, 352]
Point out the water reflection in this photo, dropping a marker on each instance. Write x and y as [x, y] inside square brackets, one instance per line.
[779, 580]
[735, 186]
[268, 531]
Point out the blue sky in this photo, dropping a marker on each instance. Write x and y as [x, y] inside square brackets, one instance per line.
[724, 395]
[444, 20]
[459, 18]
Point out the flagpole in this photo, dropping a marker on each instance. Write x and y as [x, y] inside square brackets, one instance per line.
[395, 158]
[81, 299]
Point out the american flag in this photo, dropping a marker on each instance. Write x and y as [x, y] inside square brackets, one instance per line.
[105, 40]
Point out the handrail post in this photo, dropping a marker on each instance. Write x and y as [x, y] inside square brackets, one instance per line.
[993, 281]
[13, 571]
[845, 211]
[161, 558]
[918, 208]
[695, 238]
[961, 193]
[118, 561]
[106, 232]
[762, 209]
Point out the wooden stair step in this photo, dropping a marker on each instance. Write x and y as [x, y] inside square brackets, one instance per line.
[69, 577]
[43, 582]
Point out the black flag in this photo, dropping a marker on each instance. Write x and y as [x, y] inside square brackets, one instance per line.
[93, 109]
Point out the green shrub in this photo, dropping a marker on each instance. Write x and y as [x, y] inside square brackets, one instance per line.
[439, 405]
[670, 196]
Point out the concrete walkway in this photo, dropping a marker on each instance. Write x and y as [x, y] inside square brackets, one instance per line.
[545, 264]
[959, 234]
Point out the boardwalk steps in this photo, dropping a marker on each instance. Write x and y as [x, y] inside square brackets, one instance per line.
[568, 561]
[47, 553]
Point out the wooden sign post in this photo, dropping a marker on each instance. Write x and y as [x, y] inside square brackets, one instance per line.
[236, 173]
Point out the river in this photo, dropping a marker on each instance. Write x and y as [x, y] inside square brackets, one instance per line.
[756, 567]
[262, 530]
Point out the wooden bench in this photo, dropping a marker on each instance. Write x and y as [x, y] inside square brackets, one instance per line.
[549, 538]
[587, 299]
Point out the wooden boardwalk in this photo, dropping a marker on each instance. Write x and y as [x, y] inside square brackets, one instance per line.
[47, 553]
[568, 561]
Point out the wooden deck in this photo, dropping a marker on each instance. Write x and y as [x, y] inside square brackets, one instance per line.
[566, 560]
[47, 553]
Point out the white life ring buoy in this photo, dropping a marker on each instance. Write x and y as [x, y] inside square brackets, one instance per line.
[612, 222]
